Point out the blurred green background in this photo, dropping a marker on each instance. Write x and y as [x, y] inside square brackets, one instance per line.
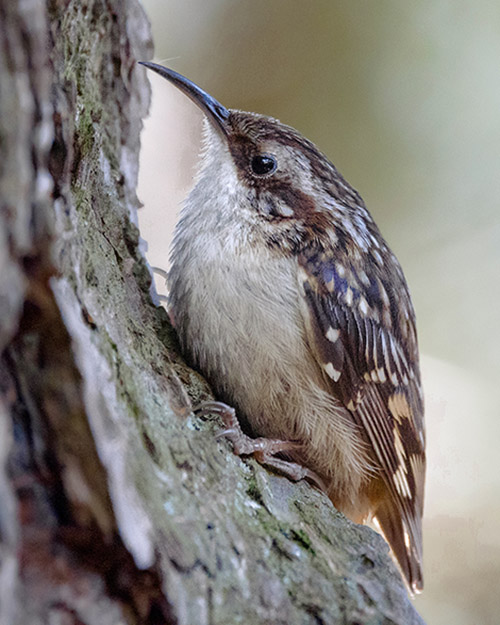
[405, 99]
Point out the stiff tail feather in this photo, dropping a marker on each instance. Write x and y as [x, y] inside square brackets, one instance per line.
[405, 539]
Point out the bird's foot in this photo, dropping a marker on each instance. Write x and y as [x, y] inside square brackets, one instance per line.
[262, 449]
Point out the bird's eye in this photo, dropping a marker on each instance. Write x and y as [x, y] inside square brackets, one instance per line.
[263, 164]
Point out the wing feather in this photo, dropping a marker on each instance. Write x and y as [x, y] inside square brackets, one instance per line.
[370, 340]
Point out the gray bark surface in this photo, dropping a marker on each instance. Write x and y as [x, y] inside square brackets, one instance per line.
[117, 504]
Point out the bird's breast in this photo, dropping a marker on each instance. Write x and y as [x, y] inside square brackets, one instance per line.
[238, 316]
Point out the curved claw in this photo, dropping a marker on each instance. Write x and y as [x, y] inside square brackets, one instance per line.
[222, 433]
[213, 407]
[161, 272]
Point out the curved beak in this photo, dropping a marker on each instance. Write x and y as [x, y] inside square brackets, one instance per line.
[215, 112]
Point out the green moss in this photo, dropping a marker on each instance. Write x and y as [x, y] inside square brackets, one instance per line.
[303, 539]
[85, 133]
[253, 490]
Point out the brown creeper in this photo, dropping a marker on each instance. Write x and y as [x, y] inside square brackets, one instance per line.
[287, 298]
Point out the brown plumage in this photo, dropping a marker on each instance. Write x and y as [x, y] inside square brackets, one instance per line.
[286, 296]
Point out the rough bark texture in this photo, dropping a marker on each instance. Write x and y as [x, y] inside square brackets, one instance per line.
[117, 505]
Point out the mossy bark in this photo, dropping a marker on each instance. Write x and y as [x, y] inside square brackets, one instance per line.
[117, 504]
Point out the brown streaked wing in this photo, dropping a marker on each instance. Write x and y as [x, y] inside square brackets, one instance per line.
[375, 374]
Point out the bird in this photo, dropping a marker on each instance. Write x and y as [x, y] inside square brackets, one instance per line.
[287, 298]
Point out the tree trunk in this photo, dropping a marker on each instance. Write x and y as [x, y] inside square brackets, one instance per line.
[117, 505]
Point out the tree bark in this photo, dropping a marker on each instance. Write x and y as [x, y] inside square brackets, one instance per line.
[117, 504]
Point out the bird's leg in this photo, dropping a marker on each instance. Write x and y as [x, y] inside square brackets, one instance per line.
[262, 449]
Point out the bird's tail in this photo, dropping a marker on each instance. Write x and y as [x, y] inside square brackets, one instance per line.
[404, 536]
